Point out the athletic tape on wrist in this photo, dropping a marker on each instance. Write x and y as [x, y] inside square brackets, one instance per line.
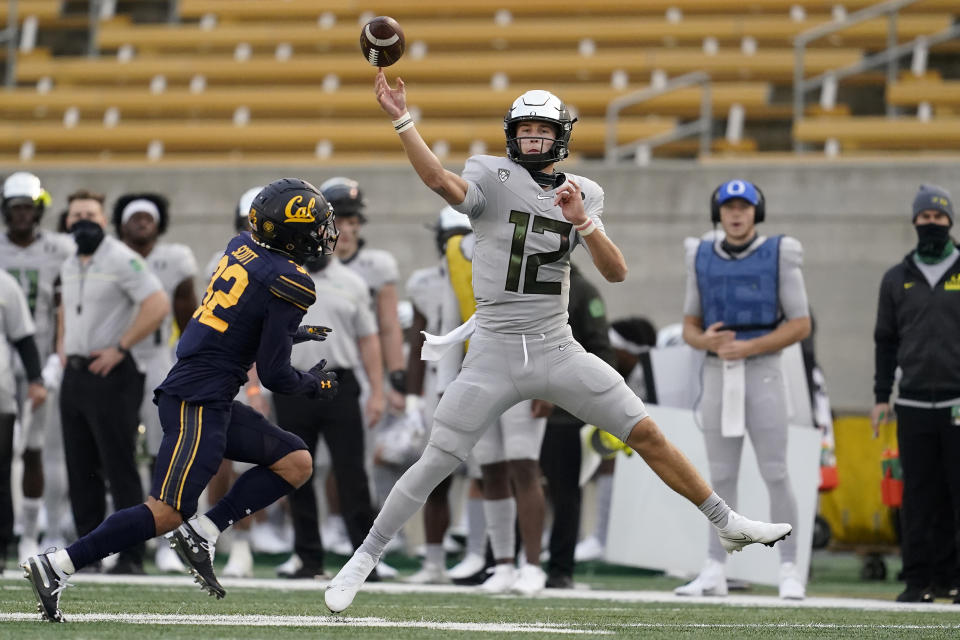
[587, 228]
[403, 123]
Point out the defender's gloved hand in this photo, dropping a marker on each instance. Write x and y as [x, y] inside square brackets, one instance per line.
[327, 381]
[310, 332]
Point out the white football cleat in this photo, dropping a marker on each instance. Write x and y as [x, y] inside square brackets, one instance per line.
[588, 549]
[289, 568]
[167, 560]
[344, 586]
[240, 562]
[429, 573]
[500, 581]
[712, 581]
[530, 581]
[385, 571]
[791, 585]
[741, 531]
[470, 565]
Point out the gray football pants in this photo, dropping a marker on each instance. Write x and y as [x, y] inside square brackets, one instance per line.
[766, 424]
[499, 371]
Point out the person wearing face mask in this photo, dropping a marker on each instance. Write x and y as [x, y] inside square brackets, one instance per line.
[917, 315]
[110, 301]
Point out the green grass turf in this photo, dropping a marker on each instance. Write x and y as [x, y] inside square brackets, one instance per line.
[833, 574]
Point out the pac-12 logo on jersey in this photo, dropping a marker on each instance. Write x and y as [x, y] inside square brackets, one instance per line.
[300, 214]
[503, 174]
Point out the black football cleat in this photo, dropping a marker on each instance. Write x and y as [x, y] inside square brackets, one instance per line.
[47, 585]
[197, 553]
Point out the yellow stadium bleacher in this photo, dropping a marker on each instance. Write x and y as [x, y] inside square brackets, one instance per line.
[295, 137]
[350, 9]
[543, 66]
[526, 33]
[875, 132]
[589, 100]
[943, 96]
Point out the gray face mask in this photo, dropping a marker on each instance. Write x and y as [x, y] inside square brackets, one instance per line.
[88, 236]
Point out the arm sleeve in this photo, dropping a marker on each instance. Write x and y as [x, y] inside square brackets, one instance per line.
[475, 200]
[273, 356]
[886, 340]
[30, 356]
[691, 297]
[793, 293]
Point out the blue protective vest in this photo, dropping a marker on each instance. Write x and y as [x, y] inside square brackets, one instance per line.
[744, 293]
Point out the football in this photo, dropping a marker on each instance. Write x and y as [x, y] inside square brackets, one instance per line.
[381, 41]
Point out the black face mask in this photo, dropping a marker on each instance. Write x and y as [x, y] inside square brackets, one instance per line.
[932, 239]
[317, 263]
[88, 236]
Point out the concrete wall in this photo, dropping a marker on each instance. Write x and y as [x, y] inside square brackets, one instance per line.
[852, 218]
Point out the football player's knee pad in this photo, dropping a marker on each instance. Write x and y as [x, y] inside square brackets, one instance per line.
[466, 407]
[452, 441]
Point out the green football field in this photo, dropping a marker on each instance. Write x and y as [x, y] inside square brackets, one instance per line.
[618, 603]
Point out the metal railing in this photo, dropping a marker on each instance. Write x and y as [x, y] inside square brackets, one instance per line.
[801, 86]
[702, 125]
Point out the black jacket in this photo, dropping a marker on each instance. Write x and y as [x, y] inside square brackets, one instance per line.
[917, 329]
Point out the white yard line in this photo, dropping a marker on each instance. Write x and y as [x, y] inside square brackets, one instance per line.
[312, 621]
[737, 600]
[494, 627]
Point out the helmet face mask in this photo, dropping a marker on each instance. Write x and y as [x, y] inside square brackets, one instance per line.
[538, 106]
[292, 216]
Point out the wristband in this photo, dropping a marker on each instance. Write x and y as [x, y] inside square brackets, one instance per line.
[587, 228]
[253, 391]
[403, 123]
[398, 380]
[122, 349]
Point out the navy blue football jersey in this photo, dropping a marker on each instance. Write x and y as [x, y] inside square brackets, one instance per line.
[250, 312]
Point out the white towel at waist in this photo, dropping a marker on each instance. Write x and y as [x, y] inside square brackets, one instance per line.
[435, 346]
[732, 418]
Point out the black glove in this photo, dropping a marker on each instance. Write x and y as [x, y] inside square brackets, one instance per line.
[310, 332]
[326, 381]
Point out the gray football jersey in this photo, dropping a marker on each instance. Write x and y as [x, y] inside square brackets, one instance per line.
[376, 266]
[36, 268]
[521, 264]
[172, 263]
[426, 288]
[15, 324]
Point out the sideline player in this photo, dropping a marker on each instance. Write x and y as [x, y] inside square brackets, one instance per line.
[33, 257]
[526, 218]
[140, 219]
[251, 311]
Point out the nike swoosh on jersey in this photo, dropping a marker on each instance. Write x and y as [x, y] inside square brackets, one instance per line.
[564, 346]
[540, 196]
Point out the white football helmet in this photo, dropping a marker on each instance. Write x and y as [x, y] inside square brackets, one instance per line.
[243, 208]
[541, 106]
[26, 186]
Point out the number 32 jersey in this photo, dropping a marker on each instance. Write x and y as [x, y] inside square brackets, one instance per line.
[521, 266]
[249, 313]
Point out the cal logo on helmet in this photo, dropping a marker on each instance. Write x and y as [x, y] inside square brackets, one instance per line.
[300, 214]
